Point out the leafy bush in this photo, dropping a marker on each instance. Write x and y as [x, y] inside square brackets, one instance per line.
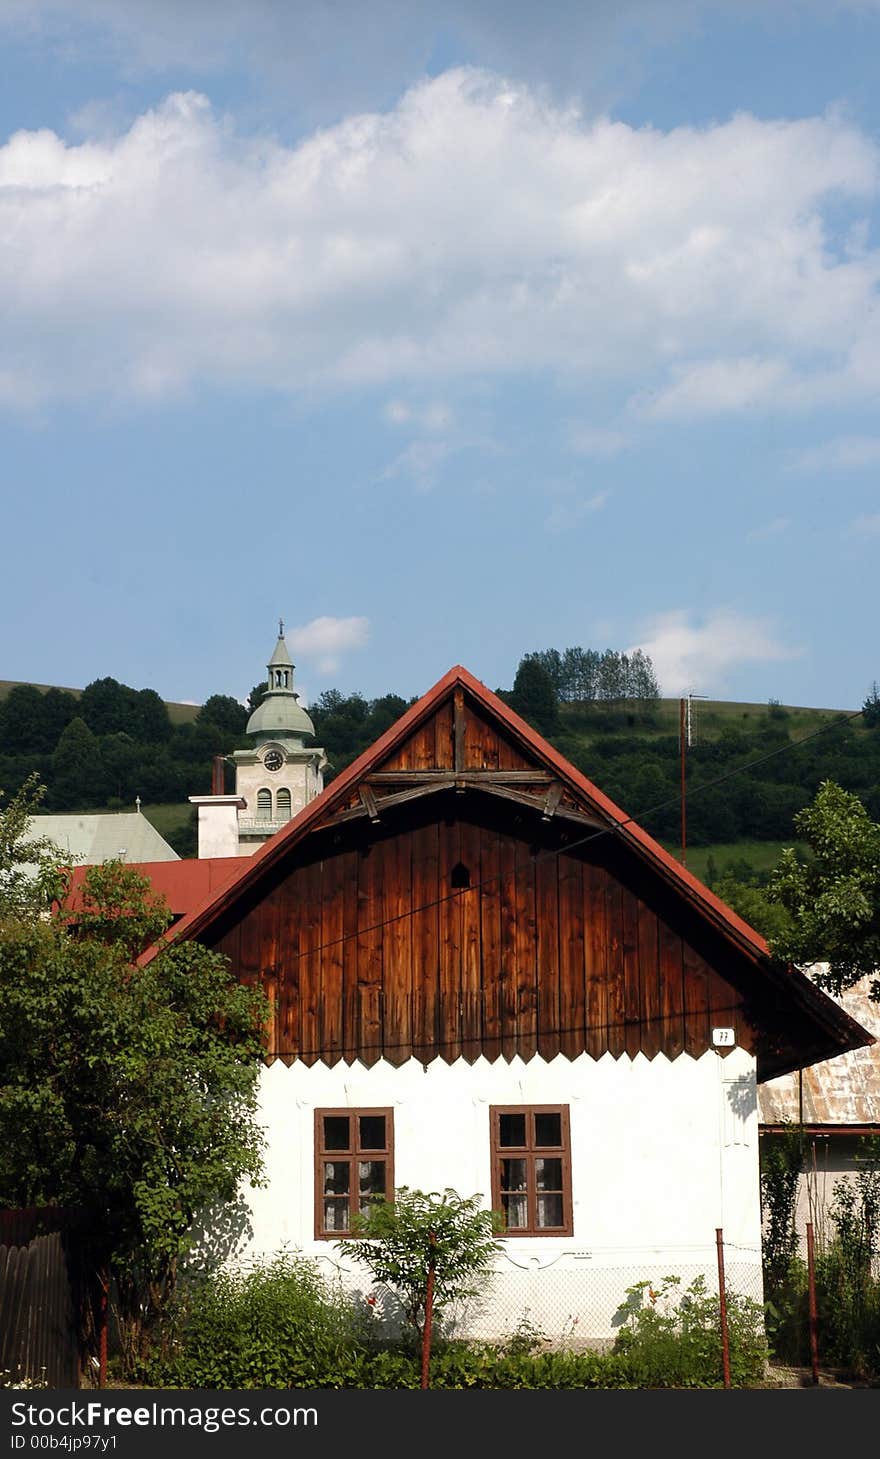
[847, 1284]
[276, 1325]
[847, 1289]
[282, 1325]
[674, 1338]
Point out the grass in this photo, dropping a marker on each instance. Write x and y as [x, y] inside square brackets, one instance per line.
[762, 855]
[709, 717]
[169, 818]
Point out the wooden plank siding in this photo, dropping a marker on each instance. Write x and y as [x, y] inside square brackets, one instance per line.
[373, 952]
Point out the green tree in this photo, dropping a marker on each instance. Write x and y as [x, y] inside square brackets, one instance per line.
[229, 717]
[534, 696]
[23, 721]
[128, 1093]
[257, 695]
[150, 713]
[59, 708]
[32, 875]
[433, 1250]
[78, 774]
[833, 898]
[108, 707]
[871, 707]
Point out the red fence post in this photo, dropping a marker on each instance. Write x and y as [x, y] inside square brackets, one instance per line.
[814, 1325]
[429, 1318]
[104, 1279]
[722, 1308]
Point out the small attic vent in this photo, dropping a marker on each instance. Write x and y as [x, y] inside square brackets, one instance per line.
[460, 876]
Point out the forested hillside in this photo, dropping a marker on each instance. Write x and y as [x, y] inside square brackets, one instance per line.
[750, 767]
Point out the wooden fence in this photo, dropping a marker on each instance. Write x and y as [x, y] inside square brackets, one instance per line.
[38, 1339]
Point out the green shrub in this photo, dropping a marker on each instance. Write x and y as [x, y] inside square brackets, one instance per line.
[278, 1324]
[847, 1291]
[674, 1338]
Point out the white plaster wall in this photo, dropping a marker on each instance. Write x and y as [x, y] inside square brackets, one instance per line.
[663, 1153]
[218, 830]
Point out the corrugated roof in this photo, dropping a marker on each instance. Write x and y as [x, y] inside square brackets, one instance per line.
[837, 1092]
[99, 836]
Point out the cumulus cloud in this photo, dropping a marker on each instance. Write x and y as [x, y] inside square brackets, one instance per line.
[846, 453]
[474, 229]
[327, 639]
[689, 654]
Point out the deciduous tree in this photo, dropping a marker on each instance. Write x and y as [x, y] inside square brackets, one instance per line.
[433, 1250]
[832, 898]
[128, 1092]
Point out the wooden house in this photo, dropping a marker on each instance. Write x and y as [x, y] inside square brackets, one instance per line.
[485, 976]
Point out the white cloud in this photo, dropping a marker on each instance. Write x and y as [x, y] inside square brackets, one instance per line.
[688, 654]
[473, 229]
[847, 453]
[327, 639]
[435, 416]
[712, 386]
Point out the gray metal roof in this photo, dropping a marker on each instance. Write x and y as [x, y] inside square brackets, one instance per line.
[280, 656]
[840, 1091]
[96, 836]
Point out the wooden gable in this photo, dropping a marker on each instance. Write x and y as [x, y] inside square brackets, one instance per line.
[461, 891]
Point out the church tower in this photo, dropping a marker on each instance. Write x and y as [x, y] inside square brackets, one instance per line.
[274, 778]
[279, 775]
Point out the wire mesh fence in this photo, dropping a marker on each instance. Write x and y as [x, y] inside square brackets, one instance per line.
[560, 1300]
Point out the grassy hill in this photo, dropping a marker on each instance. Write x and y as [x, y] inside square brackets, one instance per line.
[177, 713]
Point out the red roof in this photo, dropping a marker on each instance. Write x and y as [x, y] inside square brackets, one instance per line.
[185, 884]
[249, 870]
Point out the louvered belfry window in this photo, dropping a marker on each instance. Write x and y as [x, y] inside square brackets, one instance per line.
[264, 805]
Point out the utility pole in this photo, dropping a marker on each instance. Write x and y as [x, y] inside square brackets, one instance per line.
[683, 733]
[685, 738]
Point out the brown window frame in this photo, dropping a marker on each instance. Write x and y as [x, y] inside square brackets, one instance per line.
[356, 1153]
[530, 1152]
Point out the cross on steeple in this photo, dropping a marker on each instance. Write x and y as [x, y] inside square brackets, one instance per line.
[280, 627]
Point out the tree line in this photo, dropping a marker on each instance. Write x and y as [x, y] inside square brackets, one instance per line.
[113, 743]
[583, 675]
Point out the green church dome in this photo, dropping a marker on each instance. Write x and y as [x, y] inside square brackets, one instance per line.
[280, 716]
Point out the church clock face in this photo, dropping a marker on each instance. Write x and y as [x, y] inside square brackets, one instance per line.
[273, 759]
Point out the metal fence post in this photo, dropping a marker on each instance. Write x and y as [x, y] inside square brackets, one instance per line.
[814, 1324]
[722, 1306]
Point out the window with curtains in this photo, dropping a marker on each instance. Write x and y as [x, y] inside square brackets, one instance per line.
[531, 1169]
[354, 1165]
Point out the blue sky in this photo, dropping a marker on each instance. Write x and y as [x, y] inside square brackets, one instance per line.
[444, 332]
